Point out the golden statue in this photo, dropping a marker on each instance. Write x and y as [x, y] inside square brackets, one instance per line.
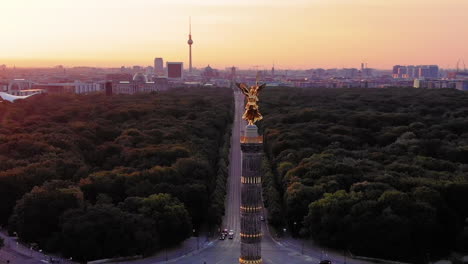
[251, 114]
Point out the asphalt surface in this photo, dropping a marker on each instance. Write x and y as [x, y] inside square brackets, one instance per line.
[18, 253]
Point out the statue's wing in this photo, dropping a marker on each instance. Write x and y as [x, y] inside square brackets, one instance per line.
[243, 88]
[261, 87]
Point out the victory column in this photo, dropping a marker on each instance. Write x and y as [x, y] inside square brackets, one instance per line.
[251, 195]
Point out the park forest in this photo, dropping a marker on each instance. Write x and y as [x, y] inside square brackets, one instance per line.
[95, 177]
[373, 172]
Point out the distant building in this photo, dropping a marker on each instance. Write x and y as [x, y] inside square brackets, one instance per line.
[158, 66]
[30, 92]
[174, 70]
[76, 87]
[395, 69]
[462, 85]
[424, 72]
[412, 72]
[350, 73]
[161, 83]
[139, 84]
[140, 78]
[16, 85]
[3, 86]
[233, 73]
[402, 71]
[210, 73]
[433, 71]
[434, 84]
[458, 75]
[84, 88]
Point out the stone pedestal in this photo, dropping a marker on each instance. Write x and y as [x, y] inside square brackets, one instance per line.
[251, 197]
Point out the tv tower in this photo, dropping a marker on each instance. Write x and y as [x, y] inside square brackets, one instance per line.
[190, 42]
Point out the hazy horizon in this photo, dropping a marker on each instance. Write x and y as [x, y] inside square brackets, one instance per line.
[296, 34]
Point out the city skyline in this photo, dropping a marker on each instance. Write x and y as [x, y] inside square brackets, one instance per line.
[338, 33]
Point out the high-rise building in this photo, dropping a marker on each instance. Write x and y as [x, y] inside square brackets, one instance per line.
[402, 71]
[174, 70]
[395, 69]
[433, 71]
[411, 72]
[158, 66]
[190, 42]
[233, 73]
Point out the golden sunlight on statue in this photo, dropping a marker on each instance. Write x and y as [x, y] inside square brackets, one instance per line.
[251, 114]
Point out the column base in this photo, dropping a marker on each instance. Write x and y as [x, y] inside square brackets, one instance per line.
[243, 261]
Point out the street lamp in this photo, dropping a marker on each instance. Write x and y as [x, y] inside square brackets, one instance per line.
[198, 245]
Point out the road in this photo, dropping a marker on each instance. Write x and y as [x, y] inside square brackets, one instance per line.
[17, 253]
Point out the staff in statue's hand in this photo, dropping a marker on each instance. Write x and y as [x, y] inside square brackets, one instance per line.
[251, 114]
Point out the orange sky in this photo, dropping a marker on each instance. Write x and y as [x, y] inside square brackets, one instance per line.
[244, 33]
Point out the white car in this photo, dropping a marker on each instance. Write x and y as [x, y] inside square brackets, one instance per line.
[231, 234]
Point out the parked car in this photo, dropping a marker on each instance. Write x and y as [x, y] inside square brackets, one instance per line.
[325, 262]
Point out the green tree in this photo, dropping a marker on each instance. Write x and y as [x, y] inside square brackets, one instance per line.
[36, 215]
[328, 218]
[104, 231]
[169, 215]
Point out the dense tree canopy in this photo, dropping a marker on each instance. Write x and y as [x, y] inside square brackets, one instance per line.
[103, 230]
[37, 213]
[69, 158]
[381, 172]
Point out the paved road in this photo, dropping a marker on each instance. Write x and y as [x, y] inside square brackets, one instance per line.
[18, 253]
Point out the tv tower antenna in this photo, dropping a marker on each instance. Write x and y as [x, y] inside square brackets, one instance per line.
[190, 42]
